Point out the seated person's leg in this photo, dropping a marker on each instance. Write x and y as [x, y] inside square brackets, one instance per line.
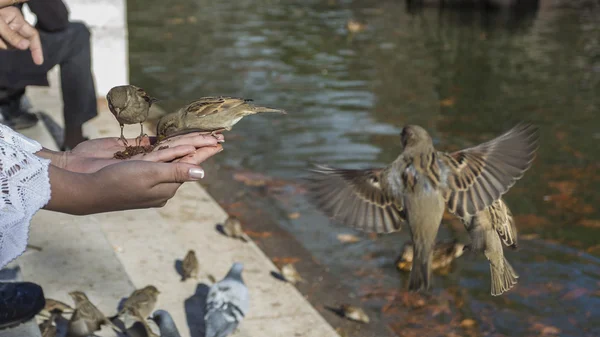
[19, 302]
[79, 91]
[14, 114]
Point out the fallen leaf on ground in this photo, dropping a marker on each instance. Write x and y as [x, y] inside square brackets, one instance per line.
[285, 260]
[545, 330]
[251, 179]
[294, 215]
[259, 234]
[347, 238]
[574, 294]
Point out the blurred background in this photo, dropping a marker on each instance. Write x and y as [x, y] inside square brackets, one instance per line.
[351, 74]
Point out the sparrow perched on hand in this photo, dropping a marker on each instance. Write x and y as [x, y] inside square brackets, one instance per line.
[232, 227]
[226, 304]
[130, 105]
[166, 324]
[443, 255]
[189, 266]
[488, 229]
[135, 324]
[143, 300]
[290, 274]
[420, 183]
[208, 114]
[86, 318]
[354, 313]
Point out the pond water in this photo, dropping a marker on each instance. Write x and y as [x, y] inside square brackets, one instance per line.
[465, 75]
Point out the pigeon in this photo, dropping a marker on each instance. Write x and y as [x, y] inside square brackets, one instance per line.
[226, 304]
[166, 324]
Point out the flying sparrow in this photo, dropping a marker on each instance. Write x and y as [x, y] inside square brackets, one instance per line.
[488, 229]
[420, 184]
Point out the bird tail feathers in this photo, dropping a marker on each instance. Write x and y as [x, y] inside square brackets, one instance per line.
[504, 278]
[420, 275]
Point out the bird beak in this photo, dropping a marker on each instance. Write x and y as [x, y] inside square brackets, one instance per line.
[154, 100]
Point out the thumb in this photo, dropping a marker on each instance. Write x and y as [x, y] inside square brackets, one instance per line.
[182, 172]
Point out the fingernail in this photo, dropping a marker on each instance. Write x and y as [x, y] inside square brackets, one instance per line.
[221, 149]
[196, 173]
[220, 140]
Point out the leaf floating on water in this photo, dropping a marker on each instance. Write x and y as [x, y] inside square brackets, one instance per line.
[294, 215]
[448, 102]
[251, 179]
[347, 238]
[467, 323]
[575, 294]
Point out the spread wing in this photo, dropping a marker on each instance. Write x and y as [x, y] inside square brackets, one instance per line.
[356, 198]
[478, 176]
[211, 105]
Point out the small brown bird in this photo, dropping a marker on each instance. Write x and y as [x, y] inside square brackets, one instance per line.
[420, 184]
[135, 324]
[130, 105]
[143, 300]
[232, 227]
[54, 306]
[290, 274]
[443, 255]
[208, 114]
[47, 328]
[86, 318]
[189, 266]
[488, 229]
[354, 313]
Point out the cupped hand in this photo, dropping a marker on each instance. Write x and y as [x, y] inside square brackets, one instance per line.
[18, 33]
[92, 155]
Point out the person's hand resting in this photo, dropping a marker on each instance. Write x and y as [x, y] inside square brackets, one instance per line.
[18, 33]
[93, 155]
[130, 184]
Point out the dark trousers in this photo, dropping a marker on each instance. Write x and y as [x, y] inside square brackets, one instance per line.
[71, 50]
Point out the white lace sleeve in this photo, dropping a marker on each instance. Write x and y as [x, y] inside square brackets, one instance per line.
[24, 189]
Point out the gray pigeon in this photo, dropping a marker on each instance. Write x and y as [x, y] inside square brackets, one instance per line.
[165, 323]
[226, 304]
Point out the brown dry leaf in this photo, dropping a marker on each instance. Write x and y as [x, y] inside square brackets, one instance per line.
[294, 215]
[373, 236]
[251, 179]
[545, 330]
[192, 19]
[531, 236]
[592, 223]
[530, 220]
[448, 102]
[574, 294]
[467, 323]
[285, 260]
[259, 234]
[175, 21]
[347, 238]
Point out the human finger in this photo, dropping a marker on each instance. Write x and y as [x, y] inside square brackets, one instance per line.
[12, 38]
[175, 172]
[6, 3]
[167, 155]
[35, 44]
[200, 155]
[197, 141]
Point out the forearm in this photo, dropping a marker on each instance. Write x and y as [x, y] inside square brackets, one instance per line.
[70, 192]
